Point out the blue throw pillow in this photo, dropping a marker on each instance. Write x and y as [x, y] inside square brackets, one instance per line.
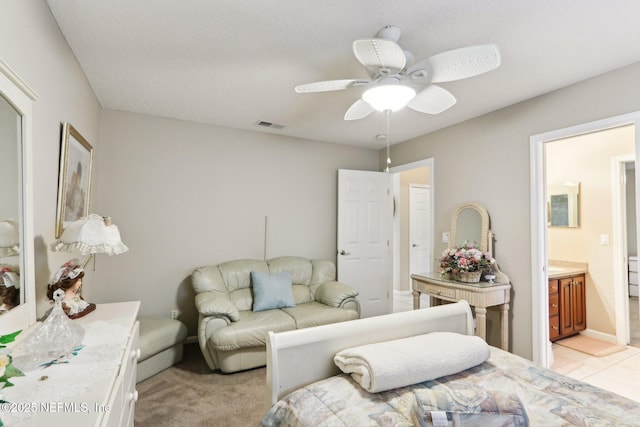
[272, 290]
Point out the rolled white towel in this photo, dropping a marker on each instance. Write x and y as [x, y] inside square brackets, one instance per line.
[398, 363]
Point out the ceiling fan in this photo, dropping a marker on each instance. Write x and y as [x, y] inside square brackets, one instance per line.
[394, 81]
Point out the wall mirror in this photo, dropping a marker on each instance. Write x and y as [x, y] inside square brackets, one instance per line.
[16, 219]
[563, 204]
[470, 223]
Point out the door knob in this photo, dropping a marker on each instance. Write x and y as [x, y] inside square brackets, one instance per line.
[414, 245]
[342, 252]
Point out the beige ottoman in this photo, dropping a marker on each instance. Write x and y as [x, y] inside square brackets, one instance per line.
[161, 344]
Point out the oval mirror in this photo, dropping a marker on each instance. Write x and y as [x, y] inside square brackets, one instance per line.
[470, 223]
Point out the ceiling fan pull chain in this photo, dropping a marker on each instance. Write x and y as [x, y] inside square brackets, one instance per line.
[387, 114]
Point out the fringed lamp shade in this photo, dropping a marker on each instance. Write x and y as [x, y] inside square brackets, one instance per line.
[92, 234]
[9, 238]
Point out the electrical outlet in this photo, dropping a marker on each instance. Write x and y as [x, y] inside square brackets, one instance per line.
[174, 314]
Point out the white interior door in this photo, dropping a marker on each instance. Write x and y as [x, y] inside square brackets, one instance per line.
[365, 228]
[420, 251]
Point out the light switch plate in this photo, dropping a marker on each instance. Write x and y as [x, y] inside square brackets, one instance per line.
[445, 237]
[604, 239]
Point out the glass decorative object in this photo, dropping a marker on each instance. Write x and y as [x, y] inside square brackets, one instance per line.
[56, 339]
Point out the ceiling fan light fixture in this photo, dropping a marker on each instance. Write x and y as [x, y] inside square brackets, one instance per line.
[388, 97]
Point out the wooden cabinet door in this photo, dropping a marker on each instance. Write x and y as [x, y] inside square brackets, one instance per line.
[579, 305]
[566, 305]
[553, 305]
[554, 329]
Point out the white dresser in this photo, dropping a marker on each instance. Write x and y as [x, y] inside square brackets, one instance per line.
[108, 396]
[633, 276]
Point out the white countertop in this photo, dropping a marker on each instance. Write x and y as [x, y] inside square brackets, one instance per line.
[558, 269]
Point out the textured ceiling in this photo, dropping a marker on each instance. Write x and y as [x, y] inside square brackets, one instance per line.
[234, 63]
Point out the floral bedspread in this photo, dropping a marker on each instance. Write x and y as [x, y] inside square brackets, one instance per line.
[548, 398]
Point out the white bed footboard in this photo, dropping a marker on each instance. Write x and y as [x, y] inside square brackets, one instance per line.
[300, 357]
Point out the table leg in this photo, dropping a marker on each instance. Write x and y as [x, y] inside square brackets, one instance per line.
[504, 327]
[481, 322]
[416, 300]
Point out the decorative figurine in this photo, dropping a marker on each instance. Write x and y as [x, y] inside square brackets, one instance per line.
[69, 279]
[9, 288]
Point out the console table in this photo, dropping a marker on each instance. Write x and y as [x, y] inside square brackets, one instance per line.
[479, 295]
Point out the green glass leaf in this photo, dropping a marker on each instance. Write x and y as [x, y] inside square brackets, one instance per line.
[12, 371]
[6, 339]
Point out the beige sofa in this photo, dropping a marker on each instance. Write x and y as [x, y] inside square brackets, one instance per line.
[232, 336]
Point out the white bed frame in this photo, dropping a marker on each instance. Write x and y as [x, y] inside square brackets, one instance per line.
[300, 357]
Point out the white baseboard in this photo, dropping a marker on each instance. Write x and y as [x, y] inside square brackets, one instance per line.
[599, 335]
[192, 339]
[402, 293]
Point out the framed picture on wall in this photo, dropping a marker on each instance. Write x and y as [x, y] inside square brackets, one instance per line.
[74, 178]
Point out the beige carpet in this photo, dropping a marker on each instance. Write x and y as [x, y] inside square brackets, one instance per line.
[189, 394]
[590, 345]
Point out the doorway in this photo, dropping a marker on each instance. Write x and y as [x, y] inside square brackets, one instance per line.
[539, 238]
[413, 214]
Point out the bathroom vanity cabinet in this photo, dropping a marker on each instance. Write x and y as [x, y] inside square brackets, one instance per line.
[567, 306]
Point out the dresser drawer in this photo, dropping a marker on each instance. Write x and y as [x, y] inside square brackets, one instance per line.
[437, 291]
[553, 286]
[124, 396]
[554, 327]
[553, 305]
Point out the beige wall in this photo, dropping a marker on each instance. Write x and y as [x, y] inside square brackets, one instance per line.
[186, 195]
[182, 194]
[487, 160]
[588, 159]
[32, 45]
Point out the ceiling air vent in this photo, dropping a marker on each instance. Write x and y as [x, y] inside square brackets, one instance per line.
[269, 125]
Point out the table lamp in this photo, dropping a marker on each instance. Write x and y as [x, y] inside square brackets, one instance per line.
[90, 235]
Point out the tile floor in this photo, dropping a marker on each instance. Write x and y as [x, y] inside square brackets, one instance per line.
[619, 372]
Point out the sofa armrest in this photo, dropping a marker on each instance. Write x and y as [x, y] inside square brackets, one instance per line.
[333, 293]
[214, 304]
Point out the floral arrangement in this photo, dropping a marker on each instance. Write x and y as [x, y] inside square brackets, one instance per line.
[465, 258]
[7, 370]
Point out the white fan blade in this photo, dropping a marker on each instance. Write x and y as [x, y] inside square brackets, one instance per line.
[329, 85]
[379, 55]
[458, 64]
[432, 100]
[358, 110]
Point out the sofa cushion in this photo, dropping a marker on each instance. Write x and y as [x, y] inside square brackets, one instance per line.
[237, 278]
[315, 314]
[237, 274]
[250, 330]
[301, 270]
[271, 290]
